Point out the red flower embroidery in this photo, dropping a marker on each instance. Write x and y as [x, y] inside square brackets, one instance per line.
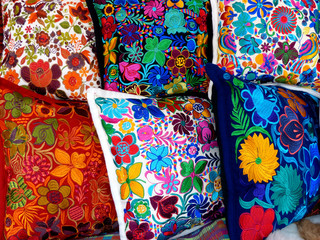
[165, 206]
[202, 20]
[108, 27]
[257, 224]
[124, 149]
[179, 62]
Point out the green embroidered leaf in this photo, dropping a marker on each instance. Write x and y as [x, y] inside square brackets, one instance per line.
[187, 168]
[279, 70]
[148, 57]
[200, 166]
[77, 29]
[194, 80]
[186, 185]
[160, 58]
[298, 31]
[65, 25]
[108, 128]
[44, 133]
[198, 184]
[275, 2]
[164, 44]
[53, 122]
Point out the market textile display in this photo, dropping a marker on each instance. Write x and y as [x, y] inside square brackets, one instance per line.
[270, 154]
[55, 174]
[163, 162]
[270, 41]
[49, 46]
[154, 48]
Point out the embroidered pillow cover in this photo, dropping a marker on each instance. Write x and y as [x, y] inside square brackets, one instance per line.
[163, 162]
[49, 46]
[154, 47]
[57, 181]
[271, 40]
[271, 161]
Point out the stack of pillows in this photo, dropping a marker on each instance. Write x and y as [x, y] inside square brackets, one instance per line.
[145, 156]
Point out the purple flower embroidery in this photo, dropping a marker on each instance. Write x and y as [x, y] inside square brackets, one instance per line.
[206, 136]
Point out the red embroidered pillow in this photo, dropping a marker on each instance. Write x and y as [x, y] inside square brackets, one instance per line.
[57, 179]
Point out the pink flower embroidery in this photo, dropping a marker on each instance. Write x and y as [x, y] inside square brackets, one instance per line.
[130, 70]
[269, 62]
[153, 9]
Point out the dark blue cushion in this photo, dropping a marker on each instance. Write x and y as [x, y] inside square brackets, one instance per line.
[269, 147]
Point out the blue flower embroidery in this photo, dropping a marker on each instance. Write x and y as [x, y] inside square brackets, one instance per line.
[143, 107]
[244, 24]
[159, 158]
[312, 175]
[264, 106]
[112, 108]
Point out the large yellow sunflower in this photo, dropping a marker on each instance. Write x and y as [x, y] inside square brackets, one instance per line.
[259, 158]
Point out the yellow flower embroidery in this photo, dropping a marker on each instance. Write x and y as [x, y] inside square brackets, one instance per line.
[259, 158]
[69, 165]
[109, 53]
[127, 177]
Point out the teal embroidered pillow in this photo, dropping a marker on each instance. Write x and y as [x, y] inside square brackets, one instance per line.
[269, 141]
[163, 160]
[154, 48]
[269, 40]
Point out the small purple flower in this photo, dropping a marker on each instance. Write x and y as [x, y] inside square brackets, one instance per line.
[130, 34]
[139, 231]
[269, 62]
[182, 124]
[49, 229]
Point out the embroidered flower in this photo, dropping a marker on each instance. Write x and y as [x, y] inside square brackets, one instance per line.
[17, 104]
[154, 9]
[72, 81]
[190, 171]
[291, 130]
[182, 123]
[129, 33]
[170, 182]
[126, 125]
[228, 15]
[286, 52]
[214, 185]
[244, 24]
[206, 136]
[141, 208]
[36, 169]
[258, 158]
[192, 150]
[308, 76]
[100, 188]
[145, 133]
[259, 7]
[69, 165]
[12, 76]
[108, 27]
[257, 224]
[75, 61]
[170, 103]
[165, 206]
[159, 158]
[54, 196]
[43, 38]
[127, 177]
[197, 206]
[175, 22]
[109, 54]
[287, 189]
[18, 193]
[226, 65]
[158, 76]
[130, 71]
[202, 20]
[41, 77]
[48, 229]
[11, 60]
[179, 62]
[124, 149]
[283, 20]
[198, 107]
[80, 12]
[139, 231]
[142, 108]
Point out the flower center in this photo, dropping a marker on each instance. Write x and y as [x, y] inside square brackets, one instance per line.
[154, 9]
[144, 105]
[75, 61]
[183, 123]
[258, 160]
[180, 61]
[257, 227]
[36, 168]
[198, 107]
[54, 197]
[122, 148]
[284, 19]
[113, 72]
[39, 72]
[142, 208]
[72, 81]
[11, 60]
[114, 105]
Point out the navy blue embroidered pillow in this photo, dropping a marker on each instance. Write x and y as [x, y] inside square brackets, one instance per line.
[270, 154]
[154, 48]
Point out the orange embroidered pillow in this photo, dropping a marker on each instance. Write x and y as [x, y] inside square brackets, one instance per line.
[57, 179]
